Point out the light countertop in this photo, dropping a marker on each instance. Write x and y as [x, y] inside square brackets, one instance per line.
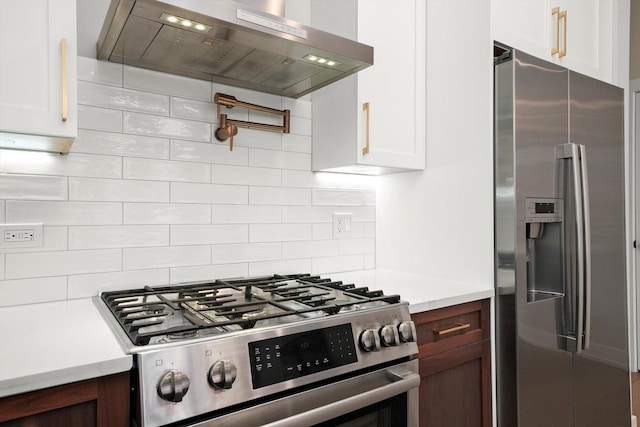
[49, 344]
[421, 292]
[56, 343]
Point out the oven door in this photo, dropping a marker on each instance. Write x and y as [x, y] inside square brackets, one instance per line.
[386, 397]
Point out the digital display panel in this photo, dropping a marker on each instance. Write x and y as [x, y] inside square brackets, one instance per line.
[292, 356]
[545, 208]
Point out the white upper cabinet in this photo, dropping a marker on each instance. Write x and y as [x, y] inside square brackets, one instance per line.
[38, 69]
[577, 34]
[373, 122]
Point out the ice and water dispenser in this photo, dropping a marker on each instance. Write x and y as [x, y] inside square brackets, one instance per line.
[544, 254]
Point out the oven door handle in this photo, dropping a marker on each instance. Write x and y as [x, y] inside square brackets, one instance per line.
[401, 383]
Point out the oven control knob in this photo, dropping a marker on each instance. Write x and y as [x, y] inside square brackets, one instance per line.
[222, 374]
[369, 340]
[389, 335]
[407, 331]
[173, 386]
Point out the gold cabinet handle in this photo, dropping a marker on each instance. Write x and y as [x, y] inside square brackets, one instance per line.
[365, 107]
[63, 59]
[458, 327]
[555, 12]
[559, 16]
[563, 16]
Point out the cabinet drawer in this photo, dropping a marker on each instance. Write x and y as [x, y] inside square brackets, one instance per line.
[450, 327]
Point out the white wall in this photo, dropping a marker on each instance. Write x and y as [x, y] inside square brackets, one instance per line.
[439, 222]
[147, 196]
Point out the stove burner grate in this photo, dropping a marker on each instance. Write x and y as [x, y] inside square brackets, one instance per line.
[181, 311]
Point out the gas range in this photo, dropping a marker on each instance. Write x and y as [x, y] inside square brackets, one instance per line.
[202, 349]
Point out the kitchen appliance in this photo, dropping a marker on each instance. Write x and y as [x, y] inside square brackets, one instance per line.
[282, 350]
[562, 353]
[230, 43]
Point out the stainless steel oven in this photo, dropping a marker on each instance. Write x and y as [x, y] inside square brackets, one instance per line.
[295, 350]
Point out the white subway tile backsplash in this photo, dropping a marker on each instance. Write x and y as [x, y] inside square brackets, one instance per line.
[279, 196]
[89, 165]
[44, 264]
[279, 232]
[226, 254]
[169, 84]
[289, 266]
[148, 196]
[323, 231]
[336, 264]
[300, 126]
[249, 214]
[369, 261]
[209, 153]
[208, 272]
[338, 197]
[256, 139]
[146, 124]
[193, 110]
[296, 143]
[88, 285]
[309, 213]
[166, 213]
[357, 246]
[279, 159]
[325, 214]
[95, 118]
[209, 234]
[298, 107]
[225, 174]
[310, 249]
[165, 170]
[117, 190]
[99, 95]
[209, 193]
[174, 256]
[64, 213]
[121, 236]
[53, 239]
[26, 187]
[32, 291]
[118, 144]
[92, 70]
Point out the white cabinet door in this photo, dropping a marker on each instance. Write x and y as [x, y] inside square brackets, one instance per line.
[531, 27]
[393, 89]
[32, 61]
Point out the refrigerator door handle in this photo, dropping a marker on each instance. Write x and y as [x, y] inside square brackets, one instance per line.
[581, 323]
[587, 247]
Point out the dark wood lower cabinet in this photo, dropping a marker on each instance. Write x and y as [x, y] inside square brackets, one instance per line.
[99, 402]
[455, 366]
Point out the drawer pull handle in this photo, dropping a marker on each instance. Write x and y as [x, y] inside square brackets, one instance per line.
[458, 327]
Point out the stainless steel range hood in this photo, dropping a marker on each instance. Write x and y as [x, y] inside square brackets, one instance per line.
[229, 43]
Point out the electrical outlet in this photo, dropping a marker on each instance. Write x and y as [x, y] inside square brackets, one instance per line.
[342, 225]
[20, 235]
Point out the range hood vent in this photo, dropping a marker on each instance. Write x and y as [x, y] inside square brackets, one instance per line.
[230, 43]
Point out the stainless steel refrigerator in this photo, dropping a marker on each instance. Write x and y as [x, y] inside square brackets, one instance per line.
[561, 323]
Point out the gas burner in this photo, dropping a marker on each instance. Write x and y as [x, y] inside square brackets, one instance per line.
[179, 336]
[198, 309]
[349, 308]
[249, 315]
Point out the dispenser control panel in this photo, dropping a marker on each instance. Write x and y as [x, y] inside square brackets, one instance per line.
[543, 210]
